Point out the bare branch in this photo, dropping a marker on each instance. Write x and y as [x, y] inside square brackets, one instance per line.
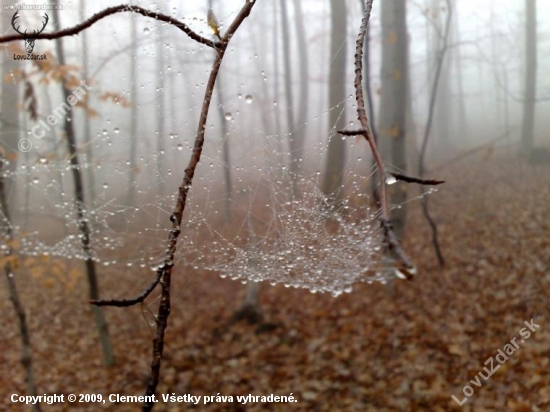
[412, 179]
[433, 97]
[121, 303]
[26, 357]
[113, 10]
[359, 132]
[471, 152]
[392, 243]
[177, 215]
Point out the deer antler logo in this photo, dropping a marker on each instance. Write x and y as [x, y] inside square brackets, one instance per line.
[29, 38]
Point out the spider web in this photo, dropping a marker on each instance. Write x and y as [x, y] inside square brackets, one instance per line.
[268, 234]
[265, 232]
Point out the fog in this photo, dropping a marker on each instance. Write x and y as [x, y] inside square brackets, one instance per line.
[105, 180]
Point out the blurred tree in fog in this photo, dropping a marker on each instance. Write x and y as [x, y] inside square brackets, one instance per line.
[9, 115]
[393, 100]
[336, 154]
[527, 131]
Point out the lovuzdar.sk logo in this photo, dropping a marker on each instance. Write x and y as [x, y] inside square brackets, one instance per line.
[29, 40]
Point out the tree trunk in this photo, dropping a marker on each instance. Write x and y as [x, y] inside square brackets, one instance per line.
[225, 148]
[26, 358]
[295, 142]
[132, 172]
[87, 123]
[9, 116]
[160, 108]
[336, 153]
[393, 101]
[528, 128]
[277, 113]
[250, 309]
[303, 103]
[82, 220]
[225, 141]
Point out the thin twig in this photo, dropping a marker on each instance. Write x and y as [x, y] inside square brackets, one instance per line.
[403, 262]
[121, 303]
[433, 96]
[421, 166]
[113, 10]
[26, 358]
[359, 132]
[470, 152]
[412, 179]
[176, 217]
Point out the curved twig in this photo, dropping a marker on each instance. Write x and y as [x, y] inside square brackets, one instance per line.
[176, 217]
[421, 166]
[413, 179]
[113, 10]
[122, 303]
[404, 264]
[433, 95]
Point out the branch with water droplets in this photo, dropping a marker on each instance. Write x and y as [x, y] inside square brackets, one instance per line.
[403, 264]
[122, 303]
[412, 179]
[177, 215]
[113, 10]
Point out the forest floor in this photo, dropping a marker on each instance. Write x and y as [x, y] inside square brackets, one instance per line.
[408, 346]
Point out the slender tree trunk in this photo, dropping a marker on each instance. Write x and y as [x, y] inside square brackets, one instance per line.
[431, 110]
[393, 101]
[462, 117]
[82, 220]
[132, 172]
[225, 148]
[160, 108]
[293, 137]
[87, 123]
[9, 116]
[411, 144]
[277, 114]
[225, 140]
[336, 153]
[26, 358]
[528, 128]
[303, 103]
[443, 128]
[250, 310]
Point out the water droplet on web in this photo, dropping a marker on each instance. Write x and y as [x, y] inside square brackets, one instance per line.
[146, 30]
[105, 185]
[117, 130]
[228, 116]
[390, 180]
[180, 146]
[248, 99]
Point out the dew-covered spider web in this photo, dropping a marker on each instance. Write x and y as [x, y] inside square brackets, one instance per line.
[248, 217]
[266, 231]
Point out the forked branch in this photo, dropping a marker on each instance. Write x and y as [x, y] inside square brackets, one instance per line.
[176, 217]
[403, 264]
[113, 10]
[165, 272]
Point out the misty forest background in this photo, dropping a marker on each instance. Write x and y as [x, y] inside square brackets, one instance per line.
[280, 275]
